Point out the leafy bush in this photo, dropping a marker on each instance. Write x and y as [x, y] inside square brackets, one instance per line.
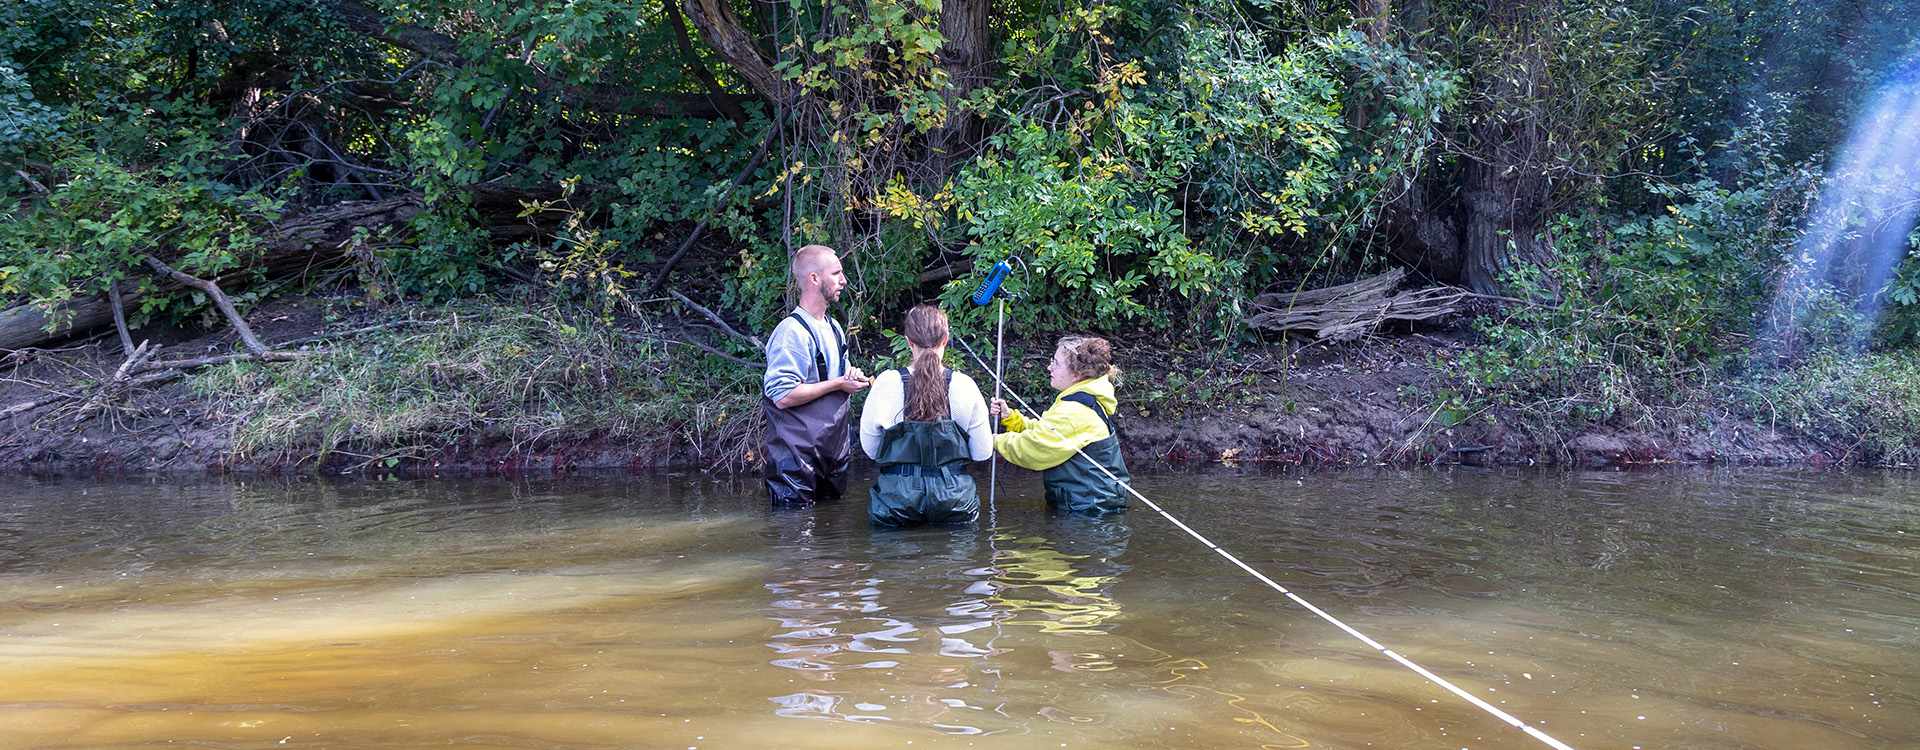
[1869, 404]
[1900, 321]
[95, 225]
[1095, 229]
[1635, 312]
[1189, 175]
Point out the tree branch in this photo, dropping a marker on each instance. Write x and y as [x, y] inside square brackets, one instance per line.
[723, 30]
[120, 318]
[710, 350]
[717, 320]
[220, 300]
[759, 157]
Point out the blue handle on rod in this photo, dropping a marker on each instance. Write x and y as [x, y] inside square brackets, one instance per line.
[990, 286]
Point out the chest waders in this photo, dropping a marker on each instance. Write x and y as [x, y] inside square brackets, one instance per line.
[923, 472]
[808, 446]
[1076, 486]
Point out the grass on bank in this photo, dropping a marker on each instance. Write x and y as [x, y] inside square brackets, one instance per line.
[498, 376]
[1867, 404]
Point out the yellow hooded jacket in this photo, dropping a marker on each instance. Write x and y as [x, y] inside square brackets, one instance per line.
[1065, 428]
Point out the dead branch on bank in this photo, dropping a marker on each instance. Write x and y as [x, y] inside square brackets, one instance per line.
[291, 248]
[294, 246]
[1349, 311]
[140, 369]
[715, 317]
[220, 301]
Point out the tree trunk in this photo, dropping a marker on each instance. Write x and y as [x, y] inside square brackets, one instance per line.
[722, 29]
[1423, 232]
[1377, 16]
[968, 60]
[1505, 192]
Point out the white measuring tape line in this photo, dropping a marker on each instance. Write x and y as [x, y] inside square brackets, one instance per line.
[1404, 661]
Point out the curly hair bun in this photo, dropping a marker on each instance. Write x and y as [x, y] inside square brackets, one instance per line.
[1089, 357]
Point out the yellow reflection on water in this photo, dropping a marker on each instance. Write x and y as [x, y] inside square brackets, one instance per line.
[595, 654]
[1062, 591]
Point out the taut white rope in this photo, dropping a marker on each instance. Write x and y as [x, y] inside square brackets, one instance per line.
[1391, 654]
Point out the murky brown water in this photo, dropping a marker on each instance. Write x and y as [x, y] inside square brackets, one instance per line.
[1682, 609]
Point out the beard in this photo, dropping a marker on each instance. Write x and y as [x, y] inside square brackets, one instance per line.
[830, 294]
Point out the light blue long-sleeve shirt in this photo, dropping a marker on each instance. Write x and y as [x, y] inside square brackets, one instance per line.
[791, 355]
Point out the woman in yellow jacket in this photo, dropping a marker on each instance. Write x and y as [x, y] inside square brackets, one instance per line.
[1080, 421]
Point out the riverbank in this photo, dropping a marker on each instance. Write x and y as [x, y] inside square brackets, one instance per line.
[514, 387]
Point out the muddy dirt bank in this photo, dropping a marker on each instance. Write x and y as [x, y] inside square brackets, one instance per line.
[1366, 403]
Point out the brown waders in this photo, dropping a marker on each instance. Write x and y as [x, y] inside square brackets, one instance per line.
[808, 446]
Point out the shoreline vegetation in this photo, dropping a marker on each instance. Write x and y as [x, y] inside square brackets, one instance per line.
[515, 385]
[352, 235]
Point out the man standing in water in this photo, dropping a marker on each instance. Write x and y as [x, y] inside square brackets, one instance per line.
[806, 389]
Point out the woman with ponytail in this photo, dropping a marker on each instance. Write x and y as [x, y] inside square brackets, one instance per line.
[1074, 443]
[922, 425]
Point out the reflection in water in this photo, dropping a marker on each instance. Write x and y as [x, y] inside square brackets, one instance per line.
[1695, 609]
[903, 633]
[981, 632]
[1060, 581]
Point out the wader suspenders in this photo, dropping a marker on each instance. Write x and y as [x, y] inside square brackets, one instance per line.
[1086, 399]
[906, 378]
[820, 352]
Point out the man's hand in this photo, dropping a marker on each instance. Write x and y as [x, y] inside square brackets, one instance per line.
[854, 381]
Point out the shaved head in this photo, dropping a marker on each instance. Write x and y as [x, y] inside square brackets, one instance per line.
[811, 259]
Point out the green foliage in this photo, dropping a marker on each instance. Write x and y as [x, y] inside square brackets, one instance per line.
[24, 121]
[1095, 229]
[1185, 177]
[582, 264]
[1850, 279]
[759, 286]
[94, 227]
[45, 44]
[444, 256]
[1900, 321]
[1869, 404]
[1287, 168]
[1636, 312]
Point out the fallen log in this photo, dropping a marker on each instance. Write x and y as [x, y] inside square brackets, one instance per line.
[291, 246]
[1348, 311]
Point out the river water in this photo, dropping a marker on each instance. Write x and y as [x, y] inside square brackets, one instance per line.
[1676, 609]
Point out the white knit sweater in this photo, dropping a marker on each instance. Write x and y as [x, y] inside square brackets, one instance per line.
[886, 407]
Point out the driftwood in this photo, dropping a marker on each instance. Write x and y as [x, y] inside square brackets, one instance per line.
[220, 300]
[1348, 311]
